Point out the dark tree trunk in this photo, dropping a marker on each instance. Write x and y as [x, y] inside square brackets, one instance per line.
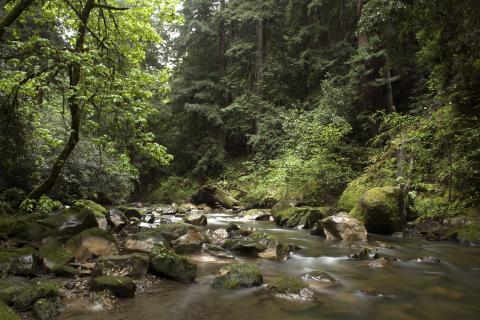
[13, 15]
[75, 70]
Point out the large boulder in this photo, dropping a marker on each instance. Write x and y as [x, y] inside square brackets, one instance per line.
[123, 287]
[212, 194]
[21, 262]
[169, 264]
[304, 217]
[134, 266]
[344, 228]
[218, 236]
[144, 241]
[380, 210]
[350, 196]
[292, 289]
[196, 219]
[189, 243]
[92, 243]
[47, 309]
[23, 298]
[28, 230]
[73, 221]
[173, 231]
[98, 210]
[55, 258]
[250, 243]
[238, 275]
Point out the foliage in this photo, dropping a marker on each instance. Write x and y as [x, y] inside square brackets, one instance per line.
[173, 190]
[42, 206]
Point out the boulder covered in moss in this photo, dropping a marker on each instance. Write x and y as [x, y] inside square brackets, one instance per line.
[92, 243]
[305, 217]
[134, 266]
[350, 196]
[292, 289]
[196, 219]
[133, 213]
[97, 209]
[173, 231]
[47, 309]
[55, 254]
[144, 241]
[21, 262]
[123, 287]
[189, 243]
[380, 210]
[24, 298]
[343, 227]
[7, 314]
[211, 195]
[72, 221]
[238, 275]
[30, 230]
[167, 263]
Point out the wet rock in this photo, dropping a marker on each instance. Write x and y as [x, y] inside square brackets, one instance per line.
[343, 227]
[292, 289]
[61, 270]
[47, 309]
[169, 264]
[305, 217]
[232, 227]
[92, 243]
[238, 275]
[217, 236]
[212, 194]
[428, 260]
[6, 313]
[144, 241]
[122, 287]
[196, 219]
[380, 210]
[20, 262]
[53, 254]
[257, 214]
[204, 208]
[317, 230]
[320, 276]
[250, 243]
[116, 219]
[380, 263]
[73, 221]
[98, 210]
[189, 243]
[282, 251]
[365, 254]
[217, 251]
[134, 266]
[132, 213]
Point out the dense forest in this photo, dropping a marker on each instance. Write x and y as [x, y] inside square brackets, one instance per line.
[305, 107]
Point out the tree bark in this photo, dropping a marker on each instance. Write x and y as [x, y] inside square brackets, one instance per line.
[13, 15]
[75, 73]
[388, 82]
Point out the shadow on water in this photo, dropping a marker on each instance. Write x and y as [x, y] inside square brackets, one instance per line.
[402, 290]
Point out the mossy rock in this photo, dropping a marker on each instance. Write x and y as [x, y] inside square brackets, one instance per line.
[55, 254]
[300, 216]
[123, 287]
[173, 231]
[238, 275]
[133, 213]
[468, 234]
[265, 239]
[292, 289]
[7, 314]
[12, 285]
[64, 271]
[351, 195]
[169, 264]
[144, 241]
[97, 209]
[22, 261]
[30, 231]
[24, 298]
[134, 265]
[380, 210]
[211, 194]
[72, 221]
[47, 309]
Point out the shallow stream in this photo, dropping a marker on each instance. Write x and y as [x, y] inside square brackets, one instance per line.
[403, 290]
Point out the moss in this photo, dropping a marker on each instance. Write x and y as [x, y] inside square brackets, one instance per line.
[72, 221]
[8, 258]
[61, 270]
[47, 309]
[264, 239]
[123, 287]
[97, 209]
[238, 275]
[307, 216]
[287, 285]
[7, 314]
[25, 298]
[167, 263]
[350, 196]
[467, 234]
[55, 254]
[379, 208]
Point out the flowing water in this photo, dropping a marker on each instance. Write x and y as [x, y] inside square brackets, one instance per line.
[402, 290]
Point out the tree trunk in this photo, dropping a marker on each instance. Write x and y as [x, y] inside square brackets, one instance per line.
[75, 70]
[259, 66]
[221, 71]
[13, 15]
[388, 82]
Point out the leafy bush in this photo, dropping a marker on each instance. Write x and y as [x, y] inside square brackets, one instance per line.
[173, 190]
[42, 206]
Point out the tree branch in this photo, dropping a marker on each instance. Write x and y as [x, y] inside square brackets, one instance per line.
[13, 15]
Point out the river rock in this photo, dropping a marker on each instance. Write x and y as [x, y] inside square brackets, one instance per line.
[24, 298]
[20, 262]
[55, 258]
[238, 275]
[47, 309]
[217, 251]
[30, 231]
[169, 264]
[212, 194]
[250, 243]
[116, 219]
[123, 287]
[73, 221]
[380, 210]
[97, 209]
[217, 236]
[343, 227]
[257, 214]
[365, 254]
[173, 231]
[321, 276]
[304, 217]
[196, 219]
[134, 266]
[132, 213]
[189, 243]
[428, 260]
[292, 289]
[144, 241]
[380, 263]
[92, 243]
